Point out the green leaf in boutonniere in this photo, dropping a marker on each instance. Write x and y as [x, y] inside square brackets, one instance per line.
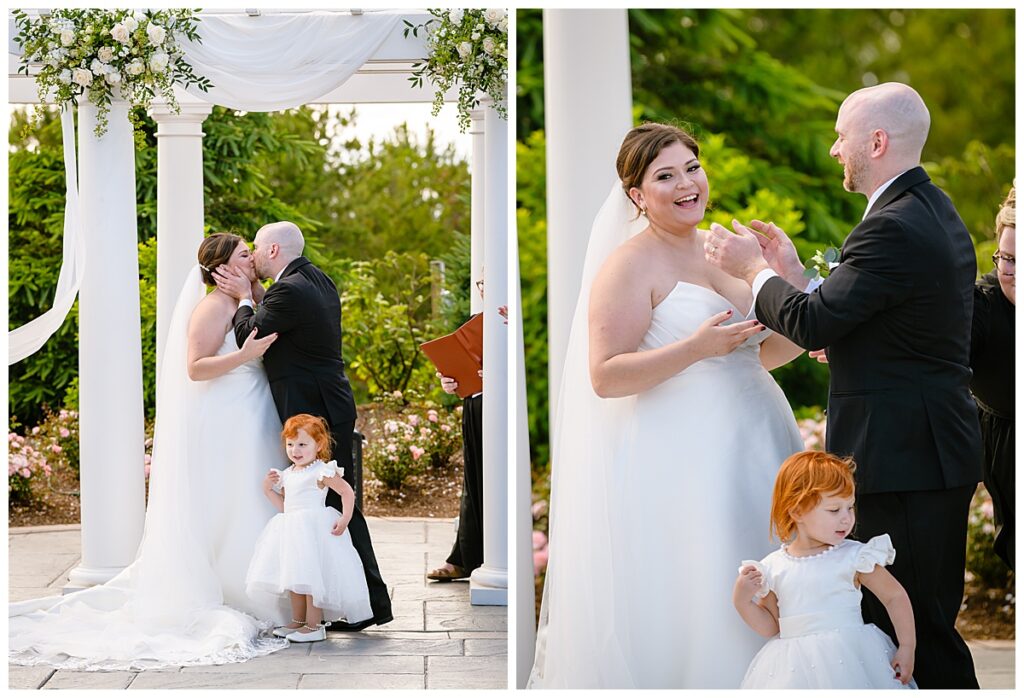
[821, 263]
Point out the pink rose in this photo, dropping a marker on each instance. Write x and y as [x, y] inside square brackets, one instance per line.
[55, 448]
[64, 433]
[432, 415]
[445, 427]
[416, 452]
[414, 420]
[540, 560]
[25, 472]
[540, 540]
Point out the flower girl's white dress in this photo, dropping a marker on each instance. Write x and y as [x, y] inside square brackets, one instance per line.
[297, 552]
[823, 641]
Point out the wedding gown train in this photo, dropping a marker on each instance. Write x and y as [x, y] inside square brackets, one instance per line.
[183, 600]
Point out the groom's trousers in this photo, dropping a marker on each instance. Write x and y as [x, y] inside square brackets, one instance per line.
[380, 601]
[929, 532]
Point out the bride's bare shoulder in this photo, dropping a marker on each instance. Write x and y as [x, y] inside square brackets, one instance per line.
[629, 264]
[212, 314]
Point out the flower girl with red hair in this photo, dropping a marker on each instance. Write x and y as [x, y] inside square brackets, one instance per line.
[306, 550]
[808, 592]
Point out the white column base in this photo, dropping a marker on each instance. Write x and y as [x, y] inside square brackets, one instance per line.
[488, 587]
[85, 577]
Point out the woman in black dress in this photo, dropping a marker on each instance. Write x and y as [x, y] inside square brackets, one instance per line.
[992, 359]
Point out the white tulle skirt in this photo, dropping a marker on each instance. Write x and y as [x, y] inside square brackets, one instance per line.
[852, 657]
[297, 553]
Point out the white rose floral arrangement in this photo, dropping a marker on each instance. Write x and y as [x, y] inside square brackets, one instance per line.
[105, 54]
[467, 48]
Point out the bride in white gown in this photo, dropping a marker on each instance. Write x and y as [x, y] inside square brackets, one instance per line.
[183, 601]
[668, 436]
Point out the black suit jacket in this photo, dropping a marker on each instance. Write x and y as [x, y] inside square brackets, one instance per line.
[895, 317]
[304, 365]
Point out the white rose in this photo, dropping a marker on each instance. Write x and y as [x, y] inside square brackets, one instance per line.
[475, 36]
[488, 45]
[65, 76]
[97, 67]
[158, 62]
[120, 33]
[67, 37]
[465, 48]
[131, 24]
[455, 16]
[136, 67]
[113, 77]
[156, 34]
[503, 24]
[493, 16]
[82, 76]
[105, 54]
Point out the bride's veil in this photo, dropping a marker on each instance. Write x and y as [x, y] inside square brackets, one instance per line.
[577, 609]
[173, 571]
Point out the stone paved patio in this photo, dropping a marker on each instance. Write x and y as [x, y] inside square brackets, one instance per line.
[437, 640]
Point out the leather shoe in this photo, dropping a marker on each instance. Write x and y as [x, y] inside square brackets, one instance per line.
[316, 636]
[345, 626]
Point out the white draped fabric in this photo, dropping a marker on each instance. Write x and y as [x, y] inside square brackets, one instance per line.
[27, 339]
[274, 62]
[264, 63]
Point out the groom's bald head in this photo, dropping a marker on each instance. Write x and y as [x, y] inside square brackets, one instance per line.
[881, 132]
[275, 246]
[896, 109]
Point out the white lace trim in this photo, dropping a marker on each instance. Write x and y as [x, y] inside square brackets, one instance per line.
[242, 652]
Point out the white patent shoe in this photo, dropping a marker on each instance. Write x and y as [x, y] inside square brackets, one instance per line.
[285, 631]
[314, 636]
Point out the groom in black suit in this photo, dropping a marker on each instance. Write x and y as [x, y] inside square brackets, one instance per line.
[304, 365]
[895, 320]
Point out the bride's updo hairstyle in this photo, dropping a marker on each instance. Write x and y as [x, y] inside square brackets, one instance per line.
[641, 147]
[316, 427]
[214, 251]
[803, 479]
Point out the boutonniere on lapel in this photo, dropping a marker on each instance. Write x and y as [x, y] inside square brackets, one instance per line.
[822, 263]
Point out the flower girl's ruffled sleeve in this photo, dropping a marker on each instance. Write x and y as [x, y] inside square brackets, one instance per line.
[329, 469]
[877, 551]
[766, 576]
[280, 480]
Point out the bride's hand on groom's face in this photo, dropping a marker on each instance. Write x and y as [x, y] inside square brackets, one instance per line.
[232, 282]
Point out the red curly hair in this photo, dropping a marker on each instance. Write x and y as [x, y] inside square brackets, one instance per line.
[803, 479]
[317, 429]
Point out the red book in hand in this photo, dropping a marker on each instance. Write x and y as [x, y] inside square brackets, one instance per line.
[460, 355]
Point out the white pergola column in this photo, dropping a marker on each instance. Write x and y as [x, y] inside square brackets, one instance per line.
[478, 168]
[587, 110]
[109, 352]
[179, 205]
[489, 583]
[526, 631]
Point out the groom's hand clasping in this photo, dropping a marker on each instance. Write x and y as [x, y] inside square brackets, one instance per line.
[736, 254]
[232, 283]
[779, 252]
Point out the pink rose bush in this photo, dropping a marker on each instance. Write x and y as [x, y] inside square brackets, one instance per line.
[409, 439]
[33, 456]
